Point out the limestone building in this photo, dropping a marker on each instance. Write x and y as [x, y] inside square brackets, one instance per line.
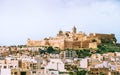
[73, 40]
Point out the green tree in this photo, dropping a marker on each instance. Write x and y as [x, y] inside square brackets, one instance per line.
[50, 50]
[82, 72]
[101, 73]
[83, 53]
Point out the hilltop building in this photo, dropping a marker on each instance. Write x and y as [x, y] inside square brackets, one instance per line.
[73, 40]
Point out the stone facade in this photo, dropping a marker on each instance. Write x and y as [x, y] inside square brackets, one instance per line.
[72, 40]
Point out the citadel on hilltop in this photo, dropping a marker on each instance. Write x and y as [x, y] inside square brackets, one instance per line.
[73, 40]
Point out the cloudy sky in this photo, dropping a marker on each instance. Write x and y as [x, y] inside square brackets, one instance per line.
[37, 19]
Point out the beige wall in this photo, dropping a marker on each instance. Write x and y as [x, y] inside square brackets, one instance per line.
[71, 40]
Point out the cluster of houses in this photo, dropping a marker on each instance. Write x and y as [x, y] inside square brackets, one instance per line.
[20, 61]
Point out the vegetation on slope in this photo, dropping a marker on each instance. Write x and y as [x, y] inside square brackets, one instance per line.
[105, 48]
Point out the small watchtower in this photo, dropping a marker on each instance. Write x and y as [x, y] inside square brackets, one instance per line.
[74, 29]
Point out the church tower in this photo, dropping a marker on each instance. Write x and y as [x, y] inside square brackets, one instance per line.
[74, 29]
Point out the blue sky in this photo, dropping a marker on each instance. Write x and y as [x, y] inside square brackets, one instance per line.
[37, 19]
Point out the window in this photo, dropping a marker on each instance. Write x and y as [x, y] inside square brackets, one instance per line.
[15, 66]
[5, 67]
[52, 72]
[11, 72]
[33, 72]
[11, 66]
[0, 66]
[15, 73]
[30, 65]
